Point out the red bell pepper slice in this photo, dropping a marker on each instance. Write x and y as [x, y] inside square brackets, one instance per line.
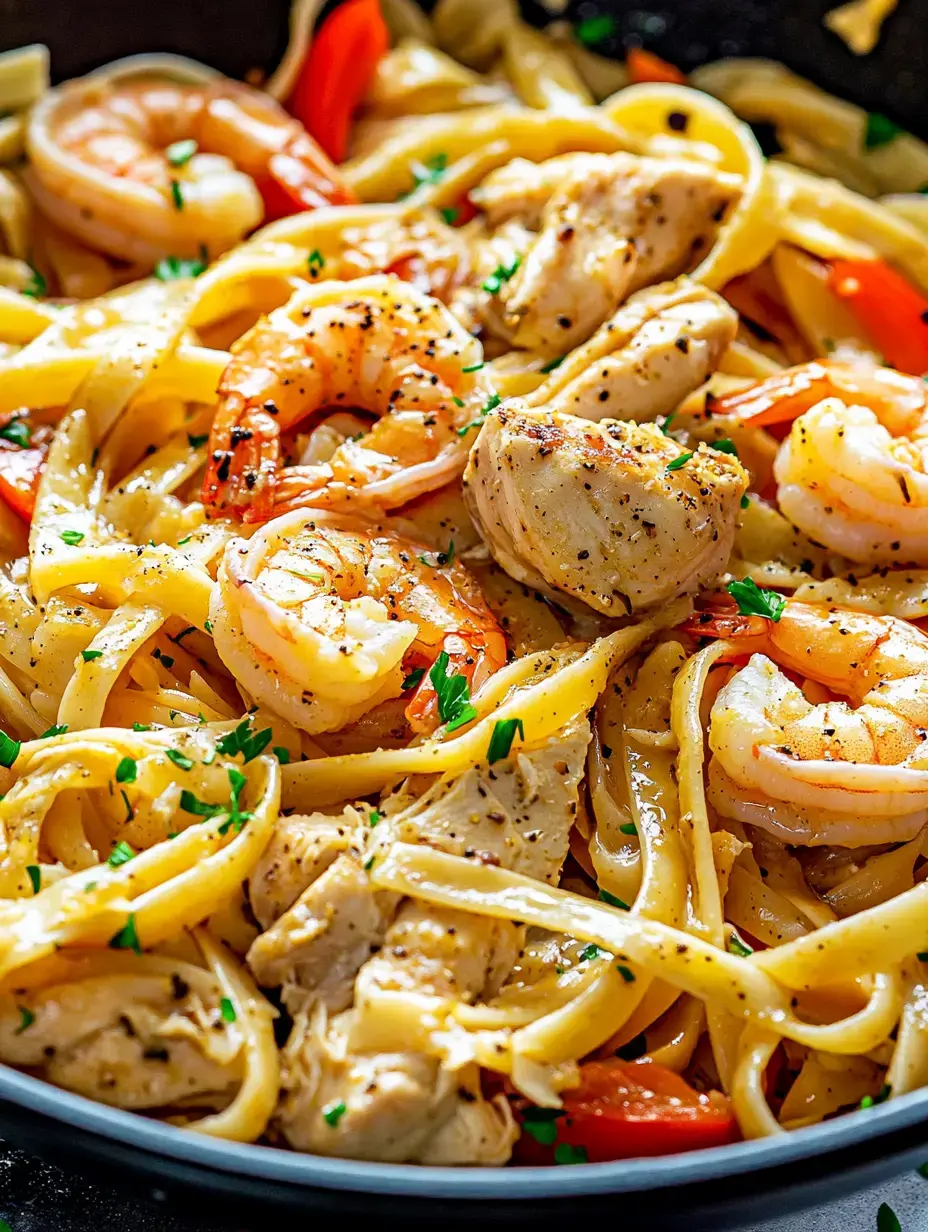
[889, 309]
[646, 66]
[338, 72]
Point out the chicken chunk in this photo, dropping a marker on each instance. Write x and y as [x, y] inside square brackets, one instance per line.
[595, 514]
[614, 223]
[301, 849]
[660, 346]
[398, 1098]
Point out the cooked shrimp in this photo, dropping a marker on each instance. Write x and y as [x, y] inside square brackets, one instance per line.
[615, 515]
[615, 223]
[842, 772]
[854, 471]
[377, 344]
[322, 617]
[106, 164]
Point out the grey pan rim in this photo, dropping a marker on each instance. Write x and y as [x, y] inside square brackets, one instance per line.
[271, 1164]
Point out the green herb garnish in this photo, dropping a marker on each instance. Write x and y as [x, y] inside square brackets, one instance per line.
[35, 876]
[410, 681]
[880, 131]
[628, 827]
[564, 1153]
[242, 740]
[89, 655]
[122, 853]
[180, 152]
[886, 1219]
[227, 1010]
[237, 818]
[179, 759]
[474, 367]
[333, 1113]
[127, 938]
[594, 30]
[725, 445]
[9, 749]
[59, 729]
[453, 693]
[315, 261]
[739, 947]
[127, 770]
[589, 952]
[177, 195]
[626, 973]
[441, 558]
[36, 286]
[199, 808]
[450, 214]
[753, 601]
[17, 431]
[169, 269]
[72, 537]
[26, 1019]
[195, 441]
[282, 754]
[552, 364]
[431, 171]
[541, 1124]
[678, 462]
[612, 900]
[504, 731]
[501, 274]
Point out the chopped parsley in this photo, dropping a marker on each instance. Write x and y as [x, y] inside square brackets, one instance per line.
[564, 1153]
[179, 759]
[374, 816]
[678, 462]
[127, 770]
[626, 973]
[180, 153]
[870, 1101]
[725, 445]
[282, 754]
[72, 537]
[199, 808]
[9, 749]
[501, 274]
[450, 214]
[504, 731]
[886, 1219]
[552, 364]
[127, 938]
[177, 195]
[745, 501]
[227, 1010]
[441, 558]
[36, 286]
[431, 171]
[18, 432]
[368, 864]
[594, 30]
[666, 422]
[59, 729]
[89, 655]
[122, 853]
[195, 440]
[242, 740]
[491, 405]
[739, 947]
[541, 1124]
[453, 693]
[315, 261]
[753, 601]
[412, 679]
[612, 900]
[236, 818]
[169, 269]
[140, 727]
[333, 1113]
[474, 367]
[26, 1019]
[880, 130]
[208, 626]
[35, 876]
[628, 827]
[589, 952]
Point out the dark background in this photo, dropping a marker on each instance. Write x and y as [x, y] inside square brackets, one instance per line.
[238, 35]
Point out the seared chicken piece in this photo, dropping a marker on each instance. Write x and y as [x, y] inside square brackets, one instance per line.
[301, 849]
[401, 1102]
[614, 224]
[594, 512]
[131, 1041]
[660, 346]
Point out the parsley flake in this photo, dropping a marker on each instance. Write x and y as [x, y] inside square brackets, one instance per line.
[89, 655]
[180, 152]
[504, 731]
[431, 171]
[541, 1124]
[501, 274]
[169, 269]
[26, 1019]
[474, 367]
[678, 462]
[315, 261]
[880, 130]
[552, 364]
[626, 973]
[441, 558]
[564, 1153]
[17, 431]
[122, 853]
[36, 286]
[412, 679]
[450, 214]
[374, 816]
[725, 445]
[589, 952]
[282, 754]
[35, 876]
[72, 537]
[195, 440]
[242, 740]
[594, 30]
[612, 900]
[333, 1113]
[745, 502]
[739, 947]
[127, 770]
[628, 827]
[453, 693]
[58, 730]
[199, 808]
[753, 601]
[127, 938]
[179, 759]
[9, 749]
[227, 1010]
[177, 195]
[140, 727]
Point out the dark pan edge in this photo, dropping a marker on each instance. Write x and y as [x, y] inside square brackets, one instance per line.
[271, 1165]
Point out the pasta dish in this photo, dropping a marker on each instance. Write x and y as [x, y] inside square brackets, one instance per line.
[463, 653]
